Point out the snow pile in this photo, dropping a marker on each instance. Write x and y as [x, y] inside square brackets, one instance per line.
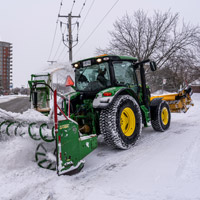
[162, 165]
[30, 115]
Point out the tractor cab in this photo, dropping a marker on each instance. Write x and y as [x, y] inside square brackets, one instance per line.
[98, 73]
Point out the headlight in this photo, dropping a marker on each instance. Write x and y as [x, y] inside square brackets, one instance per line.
[99, 60]
[76, 65]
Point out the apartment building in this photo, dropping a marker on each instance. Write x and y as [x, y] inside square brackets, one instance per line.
[5, 67]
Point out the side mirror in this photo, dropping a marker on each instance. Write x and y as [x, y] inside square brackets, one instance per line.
[153, 66]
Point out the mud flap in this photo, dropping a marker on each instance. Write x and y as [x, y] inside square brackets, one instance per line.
[71, 148]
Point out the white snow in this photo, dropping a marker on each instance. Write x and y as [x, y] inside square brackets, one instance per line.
[30, 115]
[162, 92]
[161, 166]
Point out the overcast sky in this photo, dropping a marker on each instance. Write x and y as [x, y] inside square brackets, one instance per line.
[30, 26]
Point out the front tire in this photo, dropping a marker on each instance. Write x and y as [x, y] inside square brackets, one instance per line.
[121, 122]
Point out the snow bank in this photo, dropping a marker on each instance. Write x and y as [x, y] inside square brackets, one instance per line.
[30, 115]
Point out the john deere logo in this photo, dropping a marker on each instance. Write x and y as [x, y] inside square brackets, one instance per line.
[64, 126]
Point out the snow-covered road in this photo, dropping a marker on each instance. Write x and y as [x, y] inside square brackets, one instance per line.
[18, 104]
[7, 98]
[161, 166]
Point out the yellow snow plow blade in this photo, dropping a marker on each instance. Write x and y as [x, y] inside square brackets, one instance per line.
[178, 102]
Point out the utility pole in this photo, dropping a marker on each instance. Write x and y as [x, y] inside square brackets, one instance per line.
[70, 38]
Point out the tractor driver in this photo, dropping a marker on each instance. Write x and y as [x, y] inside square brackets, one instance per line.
[101, 77]
[80, 77]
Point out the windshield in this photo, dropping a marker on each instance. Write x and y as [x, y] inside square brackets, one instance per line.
[124, 73]
[93, 77]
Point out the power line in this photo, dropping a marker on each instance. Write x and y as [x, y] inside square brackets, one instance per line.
[97, 26]
[64, 47]
[65, 55]
[82, 7]
[55, 31]
[79, 15]
[59, 44]
[60, 6]
[86, 15]
[57, 50]
[72, 6]
[53, 41]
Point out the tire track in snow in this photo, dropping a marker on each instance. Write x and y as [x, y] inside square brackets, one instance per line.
[190, 161]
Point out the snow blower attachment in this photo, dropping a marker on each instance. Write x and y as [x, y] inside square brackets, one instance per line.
[63, 147]
[106, 100]
[71, 145]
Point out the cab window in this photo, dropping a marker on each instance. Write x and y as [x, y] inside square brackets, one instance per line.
[93, 78]
[124, 73]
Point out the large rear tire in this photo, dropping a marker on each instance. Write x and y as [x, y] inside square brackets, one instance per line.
[121, 122]
[160, 115]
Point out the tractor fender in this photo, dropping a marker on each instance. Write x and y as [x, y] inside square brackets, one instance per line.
[103, 102]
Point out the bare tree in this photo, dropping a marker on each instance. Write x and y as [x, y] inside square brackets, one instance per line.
[180, 69]
[159, 37]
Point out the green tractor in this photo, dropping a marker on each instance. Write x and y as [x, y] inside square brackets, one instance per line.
[110, 98]
[107, 100]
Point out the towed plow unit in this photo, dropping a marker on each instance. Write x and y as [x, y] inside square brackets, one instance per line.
[178, 102]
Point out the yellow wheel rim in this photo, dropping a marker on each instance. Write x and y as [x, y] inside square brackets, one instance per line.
[165, 116]
[127, 121]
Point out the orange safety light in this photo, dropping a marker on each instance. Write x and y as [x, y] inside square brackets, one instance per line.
[69, 81]
[102, 55]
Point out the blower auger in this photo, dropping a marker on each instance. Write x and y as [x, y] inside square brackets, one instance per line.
[108, 100]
